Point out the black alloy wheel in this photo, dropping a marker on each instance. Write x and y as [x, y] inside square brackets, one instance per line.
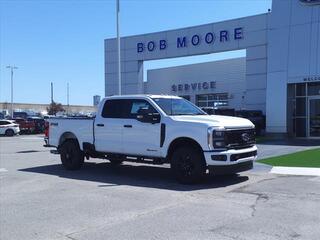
[188, 165]
[71, 156]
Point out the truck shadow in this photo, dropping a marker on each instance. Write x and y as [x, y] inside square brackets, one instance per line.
[134, 175]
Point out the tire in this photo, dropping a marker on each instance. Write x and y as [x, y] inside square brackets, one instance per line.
[71, 156]
[9, 132]
[188, 165]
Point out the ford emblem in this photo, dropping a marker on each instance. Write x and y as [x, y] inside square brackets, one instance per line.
[245, 137]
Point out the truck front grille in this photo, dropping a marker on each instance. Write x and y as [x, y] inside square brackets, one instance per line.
[237, 139]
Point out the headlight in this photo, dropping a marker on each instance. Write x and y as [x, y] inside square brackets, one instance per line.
[216, 137]
[219, 144]
[218, 134]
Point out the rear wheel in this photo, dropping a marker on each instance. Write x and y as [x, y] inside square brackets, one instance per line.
[9, 132]
[188, 164]
[72, 157]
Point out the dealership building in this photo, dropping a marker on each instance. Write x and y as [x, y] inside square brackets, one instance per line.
[279, 74]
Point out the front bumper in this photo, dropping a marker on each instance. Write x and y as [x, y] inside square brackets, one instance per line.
[232, 160]
[231, 169]
[16, 130]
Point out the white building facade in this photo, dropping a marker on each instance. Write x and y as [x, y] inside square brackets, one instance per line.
[280, 74]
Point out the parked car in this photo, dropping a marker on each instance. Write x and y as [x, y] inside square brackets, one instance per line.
[256, 117]
[9, 128]
[25, 125]
[219, 111]
[156, 129]
[23, 115]
[39, 124]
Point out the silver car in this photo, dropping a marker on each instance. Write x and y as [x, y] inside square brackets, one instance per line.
[9, 128]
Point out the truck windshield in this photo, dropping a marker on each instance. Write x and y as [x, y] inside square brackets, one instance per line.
[177, 106]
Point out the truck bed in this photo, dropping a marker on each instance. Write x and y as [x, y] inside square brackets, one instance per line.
[82, 128]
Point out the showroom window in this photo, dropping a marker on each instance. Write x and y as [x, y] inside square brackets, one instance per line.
[212, 100]
[304, 109]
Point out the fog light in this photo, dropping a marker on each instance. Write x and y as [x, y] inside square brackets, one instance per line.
[219, 157]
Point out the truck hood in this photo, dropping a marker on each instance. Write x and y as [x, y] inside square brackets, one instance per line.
[216, 121]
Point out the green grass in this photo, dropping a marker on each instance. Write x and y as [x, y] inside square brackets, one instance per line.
[261, 139]
[308, 158]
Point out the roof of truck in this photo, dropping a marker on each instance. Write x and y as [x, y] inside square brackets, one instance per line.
[141, 96]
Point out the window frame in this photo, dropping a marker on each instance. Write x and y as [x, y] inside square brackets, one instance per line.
[124, 110]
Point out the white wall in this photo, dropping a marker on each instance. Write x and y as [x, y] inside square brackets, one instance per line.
[254, 35]
[229, 75]
[293, 54]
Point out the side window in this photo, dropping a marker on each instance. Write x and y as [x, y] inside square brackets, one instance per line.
[125, 108]
[137, 105]
[2, 123]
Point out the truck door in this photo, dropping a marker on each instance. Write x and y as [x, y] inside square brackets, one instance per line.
[140, 138]
[109, 127]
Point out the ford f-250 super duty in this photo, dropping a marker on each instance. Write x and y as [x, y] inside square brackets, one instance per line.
[156, 129]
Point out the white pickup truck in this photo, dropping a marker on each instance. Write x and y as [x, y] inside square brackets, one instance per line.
[156, 129]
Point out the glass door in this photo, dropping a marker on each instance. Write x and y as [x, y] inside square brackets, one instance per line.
[314, 117]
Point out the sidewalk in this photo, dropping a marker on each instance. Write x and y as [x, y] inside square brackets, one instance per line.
[302, 171]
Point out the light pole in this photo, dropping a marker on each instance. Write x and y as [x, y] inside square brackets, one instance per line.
[118, 41]
[67, 99]
[12, 68]
[51, 85]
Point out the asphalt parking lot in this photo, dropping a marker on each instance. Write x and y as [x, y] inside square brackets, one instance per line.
[40, 200]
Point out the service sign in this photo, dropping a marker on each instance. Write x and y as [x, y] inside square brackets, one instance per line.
[193, 86]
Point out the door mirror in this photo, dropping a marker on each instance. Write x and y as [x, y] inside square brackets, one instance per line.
[144, 115]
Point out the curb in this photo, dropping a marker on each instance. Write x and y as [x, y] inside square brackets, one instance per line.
[300, 171]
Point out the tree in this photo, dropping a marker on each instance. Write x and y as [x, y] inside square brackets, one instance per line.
[54, 108]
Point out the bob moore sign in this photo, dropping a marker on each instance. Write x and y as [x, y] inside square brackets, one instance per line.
[193, 86]
[208, 38]
[310, 2]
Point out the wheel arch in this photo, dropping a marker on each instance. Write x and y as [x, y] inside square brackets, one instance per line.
[182, 141]
[67, 136]
[9, 129]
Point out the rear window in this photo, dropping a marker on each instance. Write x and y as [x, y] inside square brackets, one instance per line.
[114, 108]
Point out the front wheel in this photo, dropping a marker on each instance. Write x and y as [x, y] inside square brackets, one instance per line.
[188, 164]
[9, 132]
[72, 157]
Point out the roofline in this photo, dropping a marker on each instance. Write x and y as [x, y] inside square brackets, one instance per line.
[141, 96]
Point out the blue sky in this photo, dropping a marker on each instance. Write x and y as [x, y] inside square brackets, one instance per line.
[61, 41]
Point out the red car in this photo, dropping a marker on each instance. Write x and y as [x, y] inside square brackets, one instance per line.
[25, 125]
